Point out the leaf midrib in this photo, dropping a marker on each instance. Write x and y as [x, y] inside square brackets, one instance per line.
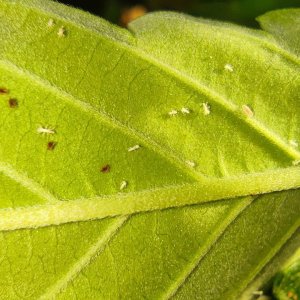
[155, 199]
[199, 86]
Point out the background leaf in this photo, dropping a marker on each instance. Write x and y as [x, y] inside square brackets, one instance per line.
[240, 11]
[101, 90]
[286, 283]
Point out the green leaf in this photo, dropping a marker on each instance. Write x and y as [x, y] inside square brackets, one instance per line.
[287, 282]
[207, 207]
[285, 26]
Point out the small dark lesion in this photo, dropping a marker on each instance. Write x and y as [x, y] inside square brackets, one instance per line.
[51, 145]
[3, 91]
[13, 103]
[105, 169]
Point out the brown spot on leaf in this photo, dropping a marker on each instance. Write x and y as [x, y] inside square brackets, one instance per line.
[51, 145]
[105, 169]
[13, 103]
[3, 91]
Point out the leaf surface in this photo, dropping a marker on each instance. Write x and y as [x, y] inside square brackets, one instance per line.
[99, 91]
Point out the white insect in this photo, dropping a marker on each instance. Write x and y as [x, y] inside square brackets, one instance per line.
[185, 110]
[173, 112]
[206, 108]
[123, 185]
[229, 68]
[296, 162]
[61, 32]
[51, 23]
[190, 163]
[134, 148]
[293, 143]
[44, 130]
[258, 293]
[248, 112]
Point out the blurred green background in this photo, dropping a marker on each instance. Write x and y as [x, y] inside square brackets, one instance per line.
[238, 11]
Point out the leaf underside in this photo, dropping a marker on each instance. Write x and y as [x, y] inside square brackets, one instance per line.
[207, 207]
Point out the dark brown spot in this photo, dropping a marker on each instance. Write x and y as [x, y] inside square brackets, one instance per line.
[3, 91]
[51, 145]
[13, 103]
[105, 169]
